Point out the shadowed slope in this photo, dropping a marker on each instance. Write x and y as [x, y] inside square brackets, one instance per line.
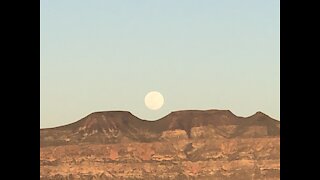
[118, 126]
[192, 144]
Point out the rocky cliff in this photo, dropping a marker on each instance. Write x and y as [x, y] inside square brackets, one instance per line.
[213, 144]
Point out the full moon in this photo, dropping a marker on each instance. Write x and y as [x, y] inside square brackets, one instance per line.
[154, 100]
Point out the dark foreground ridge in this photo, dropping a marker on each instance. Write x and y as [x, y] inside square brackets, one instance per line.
[116, 126]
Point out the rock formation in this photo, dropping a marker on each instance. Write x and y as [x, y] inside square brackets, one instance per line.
[192, 144]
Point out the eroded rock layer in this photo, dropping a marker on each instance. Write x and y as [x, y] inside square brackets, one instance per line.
[212, 144]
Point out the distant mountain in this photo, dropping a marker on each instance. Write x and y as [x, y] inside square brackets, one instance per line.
[118, 126]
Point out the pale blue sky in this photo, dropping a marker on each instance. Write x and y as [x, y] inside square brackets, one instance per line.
[102, 55]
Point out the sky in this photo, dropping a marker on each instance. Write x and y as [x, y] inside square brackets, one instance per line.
[105, 55]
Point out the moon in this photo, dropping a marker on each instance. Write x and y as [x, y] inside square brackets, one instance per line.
[154, 100]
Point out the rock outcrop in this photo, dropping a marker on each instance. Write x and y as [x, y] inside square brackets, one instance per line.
[212, 144]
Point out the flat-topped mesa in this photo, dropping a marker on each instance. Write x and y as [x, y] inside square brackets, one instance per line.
[113, 119]
[110, 121]
[203, 116]
[210, 111]
[118, 126]
[117, 119]
[192, 144]
[98, 120]
[195, 118]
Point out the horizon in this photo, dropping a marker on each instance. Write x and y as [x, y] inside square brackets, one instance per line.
[123, 111]
[106, 55]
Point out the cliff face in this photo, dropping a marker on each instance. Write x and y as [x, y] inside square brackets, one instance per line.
[212, 144]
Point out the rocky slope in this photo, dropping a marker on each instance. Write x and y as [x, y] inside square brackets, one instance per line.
[213, 144]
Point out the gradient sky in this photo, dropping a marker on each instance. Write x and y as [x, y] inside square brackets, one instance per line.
[105, 55]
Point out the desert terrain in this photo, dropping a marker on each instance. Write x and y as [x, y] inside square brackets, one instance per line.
[190, 144]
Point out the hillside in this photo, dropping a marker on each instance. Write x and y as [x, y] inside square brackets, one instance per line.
[190, 144]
